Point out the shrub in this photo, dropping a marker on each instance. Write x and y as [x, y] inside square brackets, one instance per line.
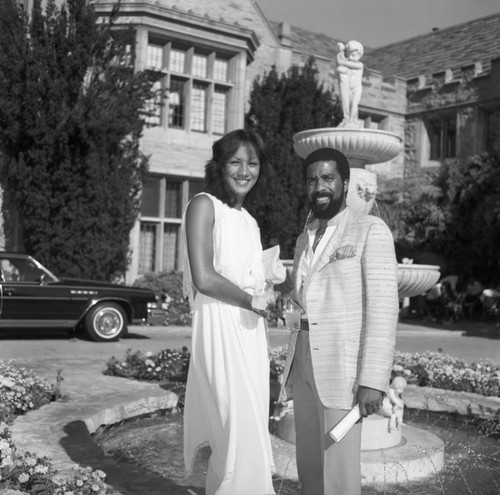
[168, 287]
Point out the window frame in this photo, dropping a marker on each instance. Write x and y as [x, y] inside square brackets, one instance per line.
[161, 222]
[439, 150]
[213, 79]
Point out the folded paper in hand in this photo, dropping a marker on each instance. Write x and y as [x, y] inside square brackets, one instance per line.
[340, 430]
[274, 270]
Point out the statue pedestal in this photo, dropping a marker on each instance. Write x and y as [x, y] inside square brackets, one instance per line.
[362, 189]
[410, 454]
[374, 434]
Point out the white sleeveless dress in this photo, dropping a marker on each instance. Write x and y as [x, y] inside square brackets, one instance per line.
[227, 394]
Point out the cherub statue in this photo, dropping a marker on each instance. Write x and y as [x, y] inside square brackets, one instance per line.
[350, 73]
[393, 405]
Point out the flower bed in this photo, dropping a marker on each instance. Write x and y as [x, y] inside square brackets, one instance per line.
[20, 391]
[168, 287]
[24, 472]
[438, 370]
[430, 369]
[168, 365]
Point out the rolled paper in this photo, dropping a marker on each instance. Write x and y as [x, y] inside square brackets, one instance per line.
[340, 430]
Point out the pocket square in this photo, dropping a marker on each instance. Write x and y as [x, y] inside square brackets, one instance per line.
[343, 252]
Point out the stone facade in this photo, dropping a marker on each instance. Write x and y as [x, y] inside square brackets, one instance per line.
[437, 91]
[453, 91]
[440, 92]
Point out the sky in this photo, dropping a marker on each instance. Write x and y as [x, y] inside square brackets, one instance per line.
[376, 23]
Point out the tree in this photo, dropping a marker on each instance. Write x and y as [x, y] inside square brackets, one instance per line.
[71, 116]
[280, 106]
[412, 209]
[472, 202]
[454, 213]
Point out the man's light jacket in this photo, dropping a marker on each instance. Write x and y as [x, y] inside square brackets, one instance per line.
[352, 306]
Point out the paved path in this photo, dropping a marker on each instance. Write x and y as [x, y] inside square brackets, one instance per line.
[49, 351]
[60, 430]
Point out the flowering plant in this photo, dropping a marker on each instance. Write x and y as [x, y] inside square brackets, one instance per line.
[429, 369]
[167, 365]
[21, 390]
[25, 473]
[278, 358]
[168, 287]
[438, 370]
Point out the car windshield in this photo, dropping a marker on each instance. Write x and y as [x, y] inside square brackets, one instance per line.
[23, 270]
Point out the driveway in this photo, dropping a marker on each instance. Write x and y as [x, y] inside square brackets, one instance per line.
[49, 351]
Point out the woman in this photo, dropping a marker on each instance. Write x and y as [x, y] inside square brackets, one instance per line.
[227, 395]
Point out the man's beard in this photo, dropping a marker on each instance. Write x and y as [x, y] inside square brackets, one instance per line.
[329, 210]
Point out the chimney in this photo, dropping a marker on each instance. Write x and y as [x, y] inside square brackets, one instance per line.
[284, 34]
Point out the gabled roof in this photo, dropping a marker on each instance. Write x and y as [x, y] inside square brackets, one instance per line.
[457, 46]
[308, 42]
[244, 13]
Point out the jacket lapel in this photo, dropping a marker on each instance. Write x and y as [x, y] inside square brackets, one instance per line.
[333, 244]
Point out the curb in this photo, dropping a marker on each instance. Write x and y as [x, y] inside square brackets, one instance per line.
[48, 430]
[450, 401]
[52, 430]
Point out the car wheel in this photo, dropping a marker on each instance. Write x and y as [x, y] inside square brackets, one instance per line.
[106, 322]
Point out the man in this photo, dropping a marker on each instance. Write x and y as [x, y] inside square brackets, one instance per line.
[345, 279]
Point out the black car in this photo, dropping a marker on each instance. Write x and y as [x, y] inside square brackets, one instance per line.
[33, 297]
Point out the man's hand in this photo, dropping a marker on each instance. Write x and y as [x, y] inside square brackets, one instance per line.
[369, 400]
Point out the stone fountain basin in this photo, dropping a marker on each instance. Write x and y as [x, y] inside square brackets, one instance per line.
[386, 457]
[360, 146]
[416, 279]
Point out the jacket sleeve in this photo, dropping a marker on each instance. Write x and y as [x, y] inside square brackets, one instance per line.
[380, 298]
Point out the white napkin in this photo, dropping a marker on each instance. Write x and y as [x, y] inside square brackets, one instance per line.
[274, 270]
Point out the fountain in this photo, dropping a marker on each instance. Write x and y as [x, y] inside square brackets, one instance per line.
[389, 453]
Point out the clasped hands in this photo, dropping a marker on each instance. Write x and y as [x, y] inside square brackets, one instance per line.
[269, 301]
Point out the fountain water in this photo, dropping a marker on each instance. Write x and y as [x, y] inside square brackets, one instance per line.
[388, 454]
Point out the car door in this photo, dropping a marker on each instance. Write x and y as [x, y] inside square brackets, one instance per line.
[27, 300]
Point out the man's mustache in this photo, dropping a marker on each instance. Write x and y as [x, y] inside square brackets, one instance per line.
[322, 195]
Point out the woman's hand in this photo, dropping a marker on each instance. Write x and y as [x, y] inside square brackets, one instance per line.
[262, 312]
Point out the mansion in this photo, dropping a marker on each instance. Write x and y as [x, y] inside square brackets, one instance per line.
[439, 91]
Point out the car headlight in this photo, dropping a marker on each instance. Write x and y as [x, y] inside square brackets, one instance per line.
[152, 305]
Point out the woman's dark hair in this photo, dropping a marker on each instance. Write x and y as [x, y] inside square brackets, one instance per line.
[328, 154]
[222, 151]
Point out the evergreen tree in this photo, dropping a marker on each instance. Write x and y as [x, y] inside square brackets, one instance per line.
[412, 209]
[280, 106]
[472, 204]
[71, 116]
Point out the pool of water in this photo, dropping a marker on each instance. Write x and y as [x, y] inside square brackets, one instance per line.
[472, 461]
